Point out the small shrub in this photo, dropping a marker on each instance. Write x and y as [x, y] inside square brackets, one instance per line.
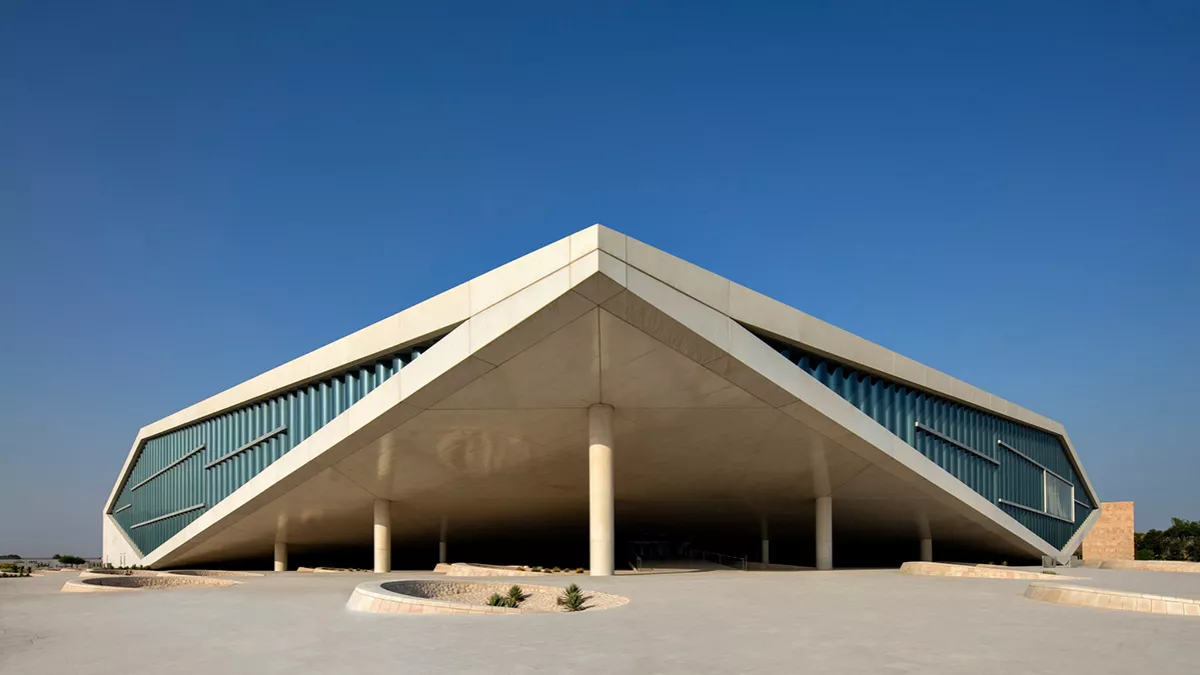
[572, 599]
[498, 600]
[579, 570]
[554, 570]
[1049, 572]
[515, 596]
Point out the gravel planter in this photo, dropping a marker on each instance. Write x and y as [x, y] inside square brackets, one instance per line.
[118, 573]
[214, 573]
[465, 597]
[101, 583]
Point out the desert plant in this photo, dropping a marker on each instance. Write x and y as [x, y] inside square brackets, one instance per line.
[572, 599]
[497, 600]
[579, 570]
[1049, 572]
[515, 596]
[554, 570]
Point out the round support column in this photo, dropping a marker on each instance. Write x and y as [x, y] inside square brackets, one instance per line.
[825, 533]
[281, 556]
[383, 536]
[926, 549]
[442, 542]
[600, 490]
[766, 541]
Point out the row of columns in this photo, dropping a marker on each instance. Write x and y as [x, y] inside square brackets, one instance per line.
[601, 518]
[382, 536]
[824, 539]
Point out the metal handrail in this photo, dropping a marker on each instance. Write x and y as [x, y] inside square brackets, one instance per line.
[720, 557]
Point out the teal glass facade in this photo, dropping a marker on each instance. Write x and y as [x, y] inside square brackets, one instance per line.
[1003, 460]
[179, 475]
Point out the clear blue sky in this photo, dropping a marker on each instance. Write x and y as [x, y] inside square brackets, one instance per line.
[191, 193]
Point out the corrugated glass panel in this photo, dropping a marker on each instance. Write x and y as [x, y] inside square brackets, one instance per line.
[957, 436]
[171, 476]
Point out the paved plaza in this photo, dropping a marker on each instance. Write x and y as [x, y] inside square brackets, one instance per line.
[869, 621]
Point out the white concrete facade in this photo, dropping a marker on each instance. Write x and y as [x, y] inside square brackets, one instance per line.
[597, 320]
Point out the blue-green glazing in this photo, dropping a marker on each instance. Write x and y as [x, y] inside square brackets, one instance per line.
[900, 408]
[301, 410]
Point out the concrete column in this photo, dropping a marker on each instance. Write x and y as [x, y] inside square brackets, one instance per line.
[280, 556]
[383, 536]
[600, 490]
[927, 549]
[825, 533]
[766, 541]
[442, 542]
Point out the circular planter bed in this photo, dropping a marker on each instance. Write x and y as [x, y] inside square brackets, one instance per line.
[117, 573]
[482, 570]
[214, 573]
[465, 597]
[101, 583]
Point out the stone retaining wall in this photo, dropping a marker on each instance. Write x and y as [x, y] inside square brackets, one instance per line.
[1151, 565]
[1103, 598]
[932, 569]
[478, 570]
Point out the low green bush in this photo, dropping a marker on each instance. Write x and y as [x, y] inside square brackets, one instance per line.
[497, 600]
[572, 599]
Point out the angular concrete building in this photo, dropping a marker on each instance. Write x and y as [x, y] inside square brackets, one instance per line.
[595, 402]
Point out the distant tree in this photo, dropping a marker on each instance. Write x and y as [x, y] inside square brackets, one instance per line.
[10, 556]
[1180, 541]
[70, 559]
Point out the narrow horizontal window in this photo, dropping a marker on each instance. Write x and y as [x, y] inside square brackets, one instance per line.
[167, 468]
[261, 439]
[1031, 460]
[955, 443]
[164, 517]
[1031, 510]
